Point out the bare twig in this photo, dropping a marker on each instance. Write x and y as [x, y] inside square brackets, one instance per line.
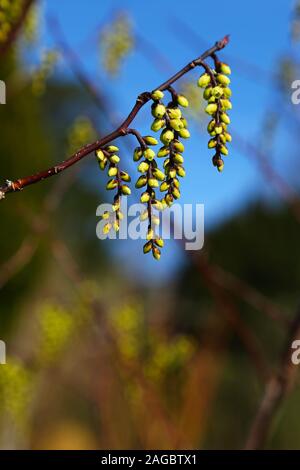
[121, 131]
[277, 388]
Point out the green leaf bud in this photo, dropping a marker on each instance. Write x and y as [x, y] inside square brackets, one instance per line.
[217, 92]
[228, 137]
[158, 110]
[169, 199]
[157, 95]
[207, 93]
[223, 79]
[172, 172]
[218, 130]
[226, 104]
[142, 181]
[150, 140]
[211, 125]
[182, 101]
[159, 242]
[100, 155]
[204, 80]
[227, 92]
[102, 164]
[176, 193]
[176, 183]
[184, 122]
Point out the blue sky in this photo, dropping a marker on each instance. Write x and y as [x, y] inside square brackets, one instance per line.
[259, 35]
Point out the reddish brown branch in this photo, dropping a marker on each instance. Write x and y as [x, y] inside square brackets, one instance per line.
[142, 99]
[4, 47]
[277, 388]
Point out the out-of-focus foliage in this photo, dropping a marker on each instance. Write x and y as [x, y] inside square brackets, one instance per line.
[116, 43]
[44, 71]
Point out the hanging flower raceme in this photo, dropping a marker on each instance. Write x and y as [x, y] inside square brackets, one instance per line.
[108, 158]
[217, 94]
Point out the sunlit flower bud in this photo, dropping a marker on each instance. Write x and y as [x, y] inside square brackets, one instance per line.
[176, 124]
[224, 150]
[116, 206]
[144, 216]
[158, 110]
[166, 136]
[112, 184]
[125, 190]
[224, 68]
[150, 140]
[166, 162]
[217, 92]
[212, 143]
[174, 113]
[228, 137]
[153, 183]
[223, 79]
[112, 171]
[106, 228]
[138, 153]
[207, 93]
[172, 172]
[158, 174]
[225, 118]
[143, 167]
[227, 92]
[120, 215]
[105, 215]
[178, 146]
[169, 199]
[116, 225]
[155, 220]
[147, 247]
[163, 203]
[159, 242]
[182, 101]
[218, 130]
[112, 148]
[211, 125]
[150, 234]
[156, 253]
[149, 154]
[176, 183]
[157, 95]
[102, 164]
[184, 133]
[211, 109]
[100, 155]
[176, 193]
[142, 181]
[114, 159]
[163, 151]
[145, 197]
[178, 158]
[204, 80]
[223, 139]
[212, 99]
[226, 104]
[181, 171]
[220, 166]
[164, 186]
[157, 205]
[157, 125]
[125, 176]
